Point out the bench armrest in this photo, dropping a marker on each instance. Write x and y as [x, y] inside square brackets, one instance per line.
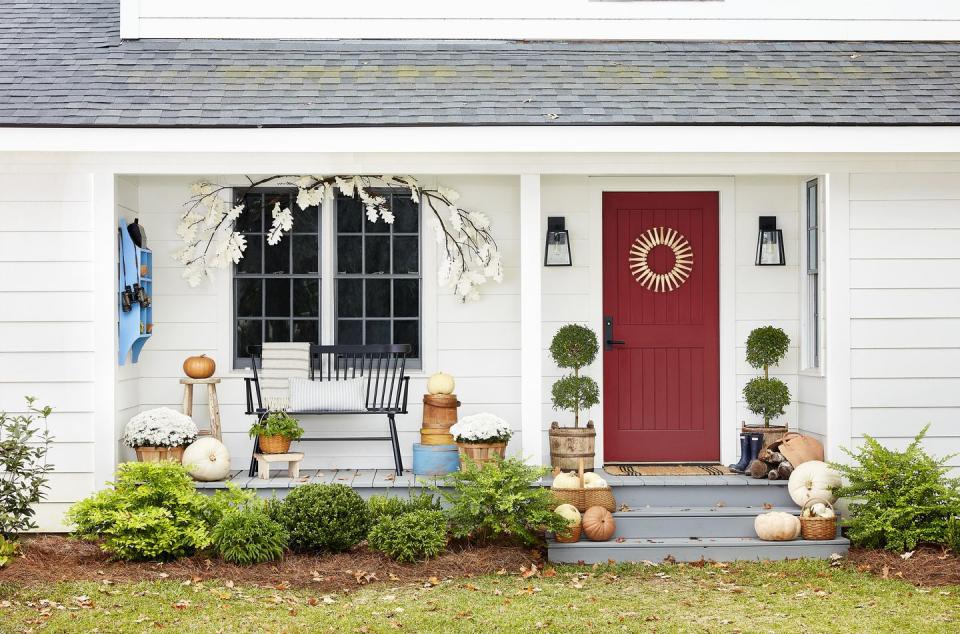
[405, 388]
[254, 402]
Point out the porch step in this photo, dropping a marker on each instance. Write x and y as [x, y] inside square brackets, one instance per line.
[716, 491]
[691, 522]
[685, 549]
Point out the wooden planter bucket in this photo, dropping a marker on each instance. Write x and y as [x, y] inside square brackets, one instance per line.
[480, 453]
[770, 434]
[159, 454]
[439, 415]
[569, 446]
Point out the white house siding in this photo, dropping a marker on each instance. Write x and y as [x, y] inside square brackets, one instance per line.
[46, 319]
[905, 304]
[127, 395]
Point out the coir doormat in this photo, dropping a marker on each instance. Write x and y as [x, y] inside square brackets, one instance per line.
[667, 470]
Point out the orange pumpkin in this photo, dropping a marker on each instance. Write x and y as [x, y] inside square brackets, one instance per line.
[201, 367]
[598, 524]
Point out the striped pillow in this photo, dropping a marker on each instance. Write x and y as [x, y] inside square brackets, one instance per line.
[347, 395]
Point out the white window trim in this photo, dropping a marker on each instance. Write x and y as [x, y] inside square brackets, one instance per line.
[807, 368]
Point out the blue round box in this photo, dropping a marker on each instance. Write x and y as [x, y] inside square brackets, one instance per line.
[435, 460]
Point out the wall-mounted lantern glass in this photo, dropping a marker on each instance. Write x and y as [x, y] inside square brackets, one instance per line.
[558, 243]
[770, 243]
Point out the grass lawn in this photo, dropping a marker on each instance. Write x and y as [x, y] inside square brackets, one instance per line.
[807, 596]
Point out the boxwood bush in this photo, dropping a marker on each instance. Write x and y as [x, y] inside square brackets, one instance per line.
[248, 536]
[325, 518]
[410, 537]
[382, 506]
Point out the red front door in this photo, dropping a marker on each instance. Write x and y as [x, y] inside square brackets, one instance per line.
[661, 299]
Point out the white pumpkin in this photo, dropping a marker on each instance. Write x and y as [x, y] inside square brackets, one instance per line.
[207, 459]
[777, 526]
[441, 383]
[813, 480]
[569, 512]
[593, 481]
[566, 481]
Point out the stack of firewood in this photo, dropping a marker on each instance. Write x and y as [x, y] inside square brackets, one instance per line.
[770, 464]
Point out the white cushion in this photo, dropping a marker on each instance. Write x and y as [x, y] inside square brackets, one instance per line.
[280, 362]
[347, 395]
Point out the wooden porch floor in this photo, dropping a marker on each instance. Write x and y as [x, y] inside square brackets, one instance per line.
[376, 480]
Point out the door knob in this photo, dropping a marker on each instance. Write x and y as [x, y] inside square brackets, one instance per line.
[608, 340]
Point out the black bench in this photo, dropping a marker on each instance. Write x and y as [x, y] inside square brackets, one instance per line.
[384, 368]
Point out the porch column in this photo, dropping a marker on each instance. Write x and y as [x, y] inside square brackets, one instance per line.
[531, 371]
[105, 431]
[837, 310]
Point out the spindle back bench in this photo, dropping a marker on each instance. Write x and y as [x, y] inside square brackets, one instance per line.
[387, 385]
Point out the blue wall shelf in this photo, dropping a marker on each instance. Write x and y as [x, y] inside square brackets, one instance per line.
[135, 266]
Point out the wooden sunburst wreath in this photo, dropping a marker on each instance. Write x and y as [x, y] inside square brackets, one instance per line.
[682, 253]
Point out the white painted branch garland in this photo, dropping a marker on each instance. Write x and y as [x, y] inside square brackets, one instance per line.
[208, 226]
[640, 265]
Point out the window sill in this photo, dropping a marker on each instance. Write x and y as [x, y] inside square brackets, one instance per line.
[817, 373]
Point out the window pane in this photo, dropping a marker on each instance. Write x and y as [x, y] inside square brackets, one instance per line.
[349, 215]
[278, 330]
[248, 334]
[278, 256]
[278, 298]
[306, 330]
[349, 332]
[270, 203]
[306, 254]
[408, 331]
[306, 220]
[350, 298]
[378, 331]
[406, 215]
[378, 298]
[380, 226]
[377, 256]
[306, 298]
[812, 255]
[252, 261]
[406, 255]
[812, 205]
[406, 298]
[349, 254]
[249, 297]
[251, 219]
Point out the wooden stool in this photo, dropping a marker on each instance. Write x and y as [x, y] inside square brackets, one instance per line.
[292, 459]
[212, 402]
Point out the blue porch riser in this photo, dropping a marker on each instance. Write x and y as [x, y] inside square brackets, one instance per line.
[717, 549]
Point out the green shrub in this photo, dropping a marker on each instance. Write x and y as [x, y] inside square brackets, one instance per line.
[900, 498]
[382, 506]
[152, 511]
[410, 537]
[9, 549]
[766, 397]
[224, 500]
[248, 536]
[277, 424]
[766, 346]
[325, 517]
[23, 467]
[574, 346]
[497, 501]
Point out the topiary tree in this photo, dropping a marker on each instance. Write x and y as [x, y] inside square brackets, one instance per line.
[765, 396]
[574, 346]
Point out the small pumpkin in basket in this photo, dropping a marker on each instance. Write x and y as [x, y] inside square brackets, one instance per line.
[566, 481]
[598, 524]
[570, 513]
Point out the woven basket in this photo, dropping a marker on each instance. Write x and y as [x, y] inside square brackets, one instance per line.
[480, 452]
[571, 535]
[584, 498]
[274, 444]
[159, 454]
[817, 528]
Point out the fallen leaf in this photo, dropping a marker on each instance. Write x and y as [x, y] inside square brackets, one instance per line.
[182, 604]
[767, 506]
[620, 540]
[526, 573]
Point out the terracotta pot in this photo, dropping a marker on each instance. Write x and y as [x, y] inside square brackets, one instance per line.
[274, 444]
[569, 444]
[159, 454]
[480, 452]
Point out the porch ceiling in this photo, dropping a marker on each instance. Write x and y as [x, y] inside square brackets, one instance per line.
[62, 63]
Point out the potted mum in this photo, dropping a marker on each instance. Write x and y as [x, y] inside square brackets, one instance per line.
[160, 434]
[276, 431]
[481, 437]
[574, 347]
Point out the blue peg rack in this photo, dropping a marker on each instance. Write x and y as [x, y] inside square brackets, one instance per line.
[134, 266]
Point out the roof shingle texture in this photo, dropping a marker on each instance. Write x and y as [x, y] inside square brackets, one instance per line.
[63, 63]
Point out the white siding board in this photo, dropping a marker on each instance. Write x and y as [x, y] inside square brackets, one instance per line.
[48, 367]
[906, 333]
[906, 362]
[905, 422]
[47, 246]
[41, 307]
[905, 273]
[57, 188]
[906, 303]
[46, 336]
[904, 186]
[905, 214]
[42, 216]
[906, 392]
[911, 244]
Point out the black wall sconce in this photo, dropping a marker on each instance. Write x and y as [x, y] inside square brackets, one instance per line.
[770, 243]
[557, 252]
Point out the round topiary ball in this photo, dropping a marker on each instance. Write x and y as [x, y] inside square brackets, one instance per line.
[324, 517]
[574, 346]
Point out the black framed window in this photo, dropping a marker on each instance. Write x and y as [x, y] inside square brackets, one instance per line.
[813, 272]
[276, 289]
[378, 278]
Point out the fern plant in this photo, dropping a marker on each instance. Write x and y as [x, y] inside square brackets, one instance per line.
[899, 498]
[497, 501]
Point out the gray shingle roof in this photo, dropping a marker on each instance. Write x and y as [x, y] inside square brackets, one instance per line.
[62, 63]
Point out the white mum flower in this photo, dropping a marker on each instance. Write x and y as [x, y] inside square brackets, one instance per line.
[481, 428]
[161, 427]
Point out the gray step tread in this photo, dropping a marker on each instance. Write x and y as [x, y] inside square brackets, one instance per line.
[704, 480]
[737, 542]
[703, 511]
